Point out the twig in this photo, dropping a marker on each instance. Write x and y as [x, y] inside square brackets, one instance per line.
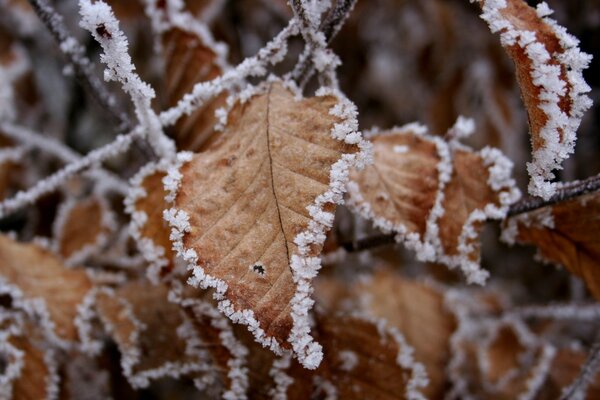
[566, 192]
[368, 243]
[332, 24]
[59, 150]
[82, 66]
[84, 72]
[49, 184]
[579, 387]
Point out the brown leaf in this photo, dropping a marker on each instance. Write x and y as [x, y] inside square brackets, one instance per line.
[251, 214]
[81, 227]
[566, 233]
[38, 275]
[189, 60]
[434, 195]
[145, 204]
[150, 332]
[417, 311]
[549, 69]
[38, 377]
[363, 360]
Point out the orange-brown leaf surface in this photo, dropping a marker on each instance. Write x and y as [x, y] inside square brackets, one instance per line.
[247, 204]
[146, 204]
[418, 312]
[81, 226]
[548, 67]
[36, 374]
[566, 233]
[433, 195]
[188, 60]
[39, 274]
[144, 324]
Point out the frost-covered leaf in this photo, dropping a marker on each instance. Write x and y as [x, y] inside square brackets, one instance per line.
[82, 227]
[434, 195]
[192, 56]
[549, 69]
[38, 377]
[145, 204]
[39, 283]
[363, 359]
[250, 215]
[151, 333]
[566, 233]
[417, 311]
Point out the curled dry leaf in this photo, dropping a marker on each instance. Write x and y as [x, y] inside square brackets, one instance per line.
[563, 236]
[417, 311]
[145, 204]
[363, 359]
[192, 56]
[434, 195]
[549, 69]
[39, 282]
[10, 158]
[250, 215]
[151, 333]
[38, 376]
[82, 227]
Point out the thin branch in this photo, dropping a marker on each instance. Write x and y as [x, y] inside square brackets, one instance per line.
[49, 184]
[330, 27]
[82, 66]
[565, 192]
[368, 243]
[83, 69]
[59, 150]
[578, 388]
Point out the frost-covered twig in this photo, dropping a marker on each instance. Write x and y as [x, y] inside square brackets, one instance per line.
[99, 19]
[578, 389]
[330, 27]
[49, 184]
[564, 192]
[59, 150]
[272, 53]
[82, 66]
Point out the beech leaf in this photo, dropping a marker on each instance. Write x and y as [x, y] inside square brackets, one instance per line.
[563, 236]
[151, 333]
[549, 69]
[38, 282]
[192, 56]
[434, 195]
[82, 227]
[145, 204]
[250, 215]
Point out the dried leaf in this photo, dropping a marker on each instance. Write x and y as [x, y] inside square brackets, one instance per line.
[39, 282]
[549, 69]
[250, 215]
[145, 204]
[39, 376]
[82, 227]
[434, 195]
[192, 56]
[563, 236]
[150, 332]
[417, 311]
[363, 360]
